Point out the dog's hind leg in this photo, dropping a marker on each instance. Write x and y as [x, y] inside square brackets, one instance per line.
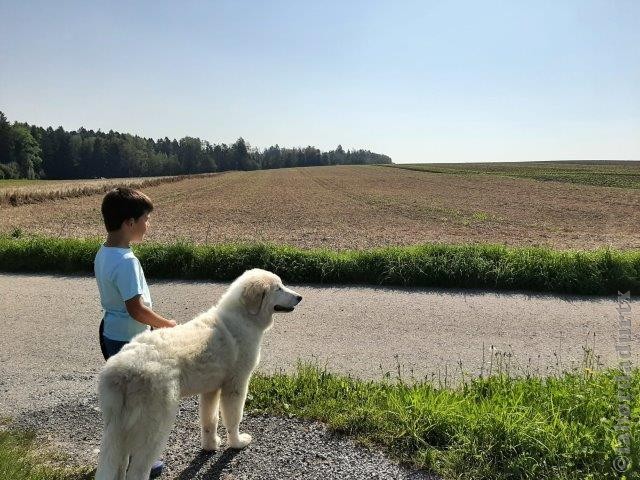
[114, 457]
[149, 437]
[114, 453]
[148, 443]
[232, 402]
[208, 403]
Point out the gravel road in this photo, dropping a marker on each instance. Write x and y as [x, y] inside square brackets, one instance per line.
[49, 359]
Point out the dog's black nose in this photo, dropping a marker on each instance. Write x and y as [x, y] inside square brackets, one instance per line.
[299, 298]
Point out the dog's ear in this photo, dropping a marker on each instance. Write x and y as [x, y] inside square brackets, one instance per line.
[253, 295]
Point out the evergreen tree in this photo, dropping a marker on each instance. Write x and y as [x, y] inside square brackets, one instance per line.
[240, 155]
[189, 153]
[5, 139]
[26, 152]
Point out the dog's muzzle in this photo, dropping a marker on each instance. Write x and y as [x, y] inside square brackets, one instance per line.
[282, 308]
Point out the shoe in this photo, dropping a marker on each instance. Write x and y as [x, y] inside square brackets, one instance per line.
[156, 469]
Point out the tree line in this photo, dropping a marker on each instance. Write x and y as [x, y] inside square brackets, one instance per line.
[29, 151]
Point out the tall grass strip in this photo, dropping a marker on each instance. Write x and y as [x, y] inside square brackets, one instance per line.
[495, 427]
[477, 266]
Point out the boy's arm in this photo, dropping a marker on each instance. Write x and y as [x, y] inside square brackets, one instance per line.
[144, 314]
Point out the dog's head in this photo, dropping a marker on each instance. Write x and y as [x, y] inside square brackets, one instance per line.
[262, 293]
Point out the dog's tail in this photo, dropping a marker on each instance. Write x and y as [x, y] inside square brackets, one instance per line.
[119, 419]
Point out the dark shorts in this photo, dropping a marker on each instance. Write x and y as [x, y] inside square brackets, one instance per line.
[109, 347]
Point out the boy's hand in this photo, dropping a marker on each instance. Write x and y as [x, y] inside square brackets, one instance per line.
[143, 314]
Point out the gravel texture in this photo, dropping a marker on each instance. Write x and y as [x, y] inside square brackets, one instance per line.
[49, 360]
[283, 448]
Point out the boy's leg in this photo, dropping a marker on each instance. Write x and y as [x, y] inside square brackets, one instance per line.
[108, 347]
[111, 347]
[103, 349]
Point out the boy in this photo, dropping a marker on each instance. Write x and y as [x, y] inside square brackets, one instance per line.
[124, 293]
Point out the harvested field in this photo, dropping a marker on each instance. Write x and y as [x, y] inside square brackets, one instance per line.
[360, 207]
[23, 182]
[22, 192]
[34, 186]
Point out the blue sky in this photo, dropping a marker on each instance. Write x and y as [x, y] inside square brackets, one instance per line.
[423, 81]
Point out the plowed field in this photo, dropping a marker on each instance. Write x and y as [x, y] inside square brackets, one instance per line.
[360, 207]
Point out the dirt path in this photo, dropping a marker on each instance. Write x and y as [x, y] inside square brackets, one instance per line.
[48, 346]
[49, 359]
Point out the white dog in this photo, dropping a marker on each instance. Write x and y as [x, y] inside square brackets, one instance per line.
[212, 355]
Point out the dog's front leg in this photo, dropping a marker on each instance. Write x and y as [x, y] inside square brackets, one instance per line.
[233, 397]
[209, 402]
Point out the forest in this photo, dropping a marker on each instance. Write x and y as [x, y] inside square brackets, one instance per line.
[33, 152]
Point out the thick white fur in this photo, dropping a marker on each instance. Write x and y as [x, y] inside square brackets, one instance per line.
[213, 355]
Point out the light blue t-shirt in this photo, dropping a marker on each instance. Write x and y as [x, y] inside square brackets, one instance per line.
[120, 278]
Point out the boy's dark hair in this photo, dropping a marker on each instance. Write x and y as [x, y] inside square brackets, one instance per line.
[123, 203]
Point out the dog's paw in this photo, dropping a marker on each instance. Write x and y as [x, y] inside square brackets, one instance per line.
[210, 442]
[242, 441]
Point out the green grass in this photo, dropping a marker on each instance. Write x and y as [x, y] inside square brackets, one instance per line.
[19, 460]
[497, 427]
[481, 266]
[606, 174]
[488, 428]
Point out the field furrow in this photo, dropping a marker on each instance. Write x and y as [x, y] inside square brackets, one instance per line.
[360, 207]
